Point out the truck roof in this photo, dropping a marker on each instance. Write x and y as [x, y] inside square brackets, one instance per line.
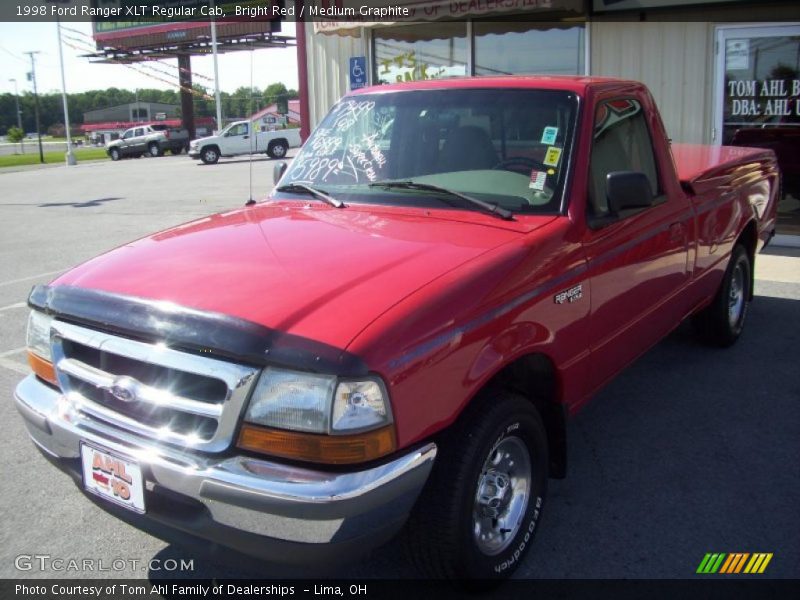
[573, 83]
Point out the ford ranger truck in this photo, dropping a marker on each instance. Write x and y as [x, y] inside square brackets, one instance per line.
[396, 336]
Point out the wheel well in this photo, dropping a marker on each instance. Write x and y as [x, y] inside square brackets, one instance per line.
[275, 141]
[210, 146]
[748, 238]
[534, 376]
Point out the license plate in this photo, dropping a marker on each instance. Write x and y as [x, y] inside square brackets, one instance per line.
[113, 477]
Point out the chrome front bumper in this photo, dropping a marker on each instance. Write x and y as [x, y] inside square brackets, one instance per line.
[260, 507]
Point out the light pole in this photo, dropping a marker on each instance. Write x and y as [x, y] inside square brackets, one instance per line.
[19, 117]
[36, 103]
[70, 156]
[217, 100]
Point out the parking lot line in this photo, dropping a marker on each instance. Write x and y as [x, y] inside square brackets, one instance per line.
[8, 353]
[12, 281]
[15, 305]
[13, 365]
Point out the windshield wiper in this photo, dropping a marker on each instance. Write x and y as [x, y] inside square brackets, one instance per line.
[302, 188]
[492, 209]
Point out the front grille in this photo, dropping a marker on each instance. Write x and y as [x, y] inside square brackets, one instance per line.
[150, 389]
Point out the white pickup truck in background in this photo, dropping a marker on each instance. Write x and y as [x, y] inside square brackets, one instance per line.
[241, 137]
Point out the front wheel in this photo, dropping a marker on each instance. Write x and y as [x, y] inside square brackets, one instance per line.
[722, 322]
[476, 517]
[154, 149]
[209, 156]
[114, 153]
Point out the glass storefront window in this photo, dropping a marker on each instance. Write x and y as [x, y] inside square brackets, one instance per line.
[761, 104]
[420, 51]
[503, 48]
[762, 83]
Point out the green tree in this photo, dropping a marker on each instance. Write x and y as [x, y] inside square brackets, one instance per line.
[15, 135]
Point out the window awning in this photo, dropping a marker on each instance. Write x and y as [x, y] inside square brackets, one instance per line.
[348, 17]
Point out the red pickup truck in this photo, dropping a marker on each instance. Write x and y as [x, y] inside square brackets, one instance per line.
[396, 336]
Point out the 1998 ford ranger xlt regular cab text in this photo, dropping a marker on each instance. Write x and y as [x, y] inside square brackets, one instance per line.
[446, 271]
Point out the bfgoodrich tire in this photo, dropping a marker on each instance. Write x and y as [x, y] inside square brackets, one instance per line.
[722, 322]
[476, 518]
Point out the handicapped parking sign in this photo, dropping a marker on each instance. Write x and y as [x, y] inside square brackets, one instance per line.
[358, 72]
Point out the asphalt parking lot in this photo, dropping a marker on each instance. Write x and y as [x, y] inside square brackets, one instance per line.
[691, 450]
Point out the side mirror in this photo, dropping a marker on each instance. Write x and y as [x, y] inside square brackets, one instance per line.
[278, 170]
[628, 189]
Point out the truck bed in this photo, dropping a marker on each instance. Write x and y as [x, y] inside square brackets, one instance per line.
[702, 168]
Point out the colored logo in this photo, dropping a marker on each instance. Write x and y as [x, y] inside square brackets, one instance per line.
[734, 563]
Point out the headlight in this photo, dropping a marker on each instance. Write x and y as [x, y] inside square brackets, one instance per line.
[318, 418]
[359, 405]
[38, 338]
[291, 400]
[40, 357]
[317, 403]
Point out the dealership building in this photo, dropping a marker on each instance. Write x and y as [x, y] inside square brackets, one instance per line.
[714, 67]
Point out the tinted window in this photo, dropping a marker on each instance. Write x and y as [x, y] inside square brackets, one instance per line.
[621, 143]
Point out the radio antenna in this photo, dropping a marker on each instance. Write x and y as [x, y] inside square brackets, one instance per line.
[251, 129]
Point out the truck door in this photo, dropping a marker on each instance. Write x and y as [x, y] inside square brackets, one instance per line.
[125, 143]
[137, 142]
[238, 140]
[637, 261]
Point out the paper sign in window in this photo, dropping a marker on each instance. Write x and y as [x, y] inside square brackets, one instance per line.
[549, 135]
[538, 179]
[552, 156]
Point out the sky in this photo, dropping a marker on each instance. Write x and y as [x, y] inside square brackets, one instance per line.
[269, 66]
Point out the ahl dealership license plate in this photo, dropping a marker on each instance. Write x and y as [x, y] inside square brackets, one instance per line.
[113, 477]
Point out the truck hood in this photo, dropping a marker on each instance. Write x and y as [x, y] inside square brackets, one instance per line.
[309, 270]
[201, 140]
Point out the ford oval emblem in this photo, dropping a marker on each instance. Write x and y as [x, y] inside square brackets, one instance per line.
[124, 389]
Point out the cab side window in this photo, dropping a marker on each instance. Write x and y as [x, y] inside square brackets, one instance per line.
[127, 135]
[240, 129]
[621, 142]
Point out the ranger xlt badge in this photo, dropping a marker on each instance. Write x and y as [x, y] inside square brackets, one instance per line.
[571, 295]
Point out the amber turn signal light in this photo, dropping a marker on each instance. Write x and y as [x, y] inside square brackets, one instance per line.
[318, 448]
[43, 368]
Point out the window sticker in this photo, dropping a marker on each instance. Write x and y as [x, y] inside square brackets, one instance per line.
[552, 156]
[549, 135]
[538, 179]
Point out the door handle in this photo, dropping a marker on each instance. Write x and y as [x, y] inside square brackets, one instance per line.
[676, 232]
[247, 137]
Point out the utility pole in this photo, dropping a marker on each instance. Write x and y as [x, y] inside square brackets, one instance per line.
[36, 102]
[217, 100]
[19, 116]
[70, 156]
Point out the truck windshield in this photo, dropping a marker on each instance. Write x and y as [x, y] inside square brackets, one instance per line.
[226, 129]
[507, 147]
